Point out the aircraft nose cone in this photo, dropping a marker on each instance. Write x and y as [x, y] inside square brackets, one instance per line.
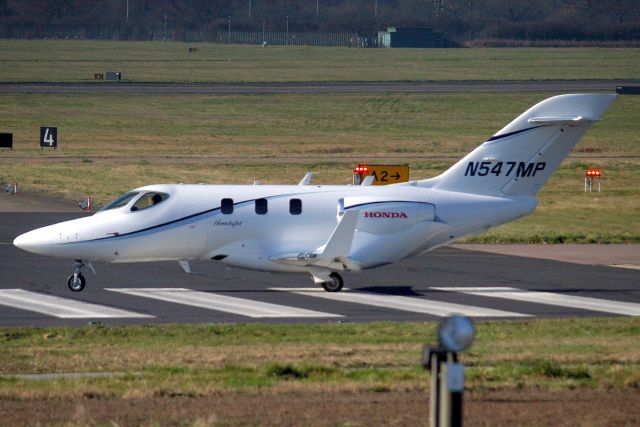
[34, 241]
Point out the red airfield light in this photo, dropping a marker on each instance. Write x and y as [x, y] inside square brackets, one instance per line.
[593, 173]
[361, 169]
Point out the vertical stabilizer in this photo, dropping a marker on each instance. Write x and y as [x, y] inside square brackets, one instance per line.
[520, 158]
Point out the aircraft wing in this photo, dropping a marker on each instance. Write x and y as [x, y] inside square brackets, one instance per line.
[333, 255]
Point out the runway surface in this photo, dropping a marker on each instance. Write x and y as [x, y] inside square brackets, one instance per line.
[319, 87]
[482, 285]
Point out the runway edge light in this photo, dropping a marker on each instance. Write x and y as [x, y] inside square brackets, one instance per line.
[455, 334]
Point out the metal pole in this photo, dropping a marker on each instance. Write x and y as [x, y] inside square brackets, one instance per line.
[444, 410]
[434, 396]
[287, 30]
[450, 400]
[318, 8]
[263, 24]
[375, 8]
[165, 27]
[229, 31]
[127, 20]
[249, 9]
[446, 394]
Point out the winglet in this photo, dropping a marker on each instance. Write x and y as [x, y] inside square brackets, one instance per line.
[306, 180]
[339, 244]
[334, 255]
[368, 180]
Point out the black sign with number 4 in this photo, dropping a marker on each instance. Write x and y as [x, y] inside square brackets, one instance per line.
[49, 137]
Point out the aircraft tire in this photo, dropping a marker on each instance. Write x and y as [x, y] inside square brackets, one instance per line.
[76, 285]
[334, 285]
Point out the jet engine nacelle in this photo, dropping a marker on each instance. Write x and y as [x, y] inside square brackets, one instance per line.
[409, 221]
[385, 217]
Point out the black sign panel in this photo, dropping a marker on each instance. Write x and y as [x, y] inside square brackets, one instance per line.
[6, 140]
[628, 90]
[49, 137]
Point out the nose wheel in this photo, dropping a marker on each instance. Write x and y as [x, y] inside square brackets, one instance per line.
[76, 282]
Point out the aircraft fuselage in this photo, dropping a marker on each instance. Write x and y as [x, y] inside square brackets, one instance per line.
[394, 222]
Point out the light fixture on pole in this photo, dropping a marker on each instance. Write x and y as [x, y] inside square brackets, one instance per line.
[455, 334]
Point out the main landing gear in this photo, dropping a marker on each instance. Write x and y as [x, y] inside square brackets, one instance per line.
[76, 281]
[335, 285]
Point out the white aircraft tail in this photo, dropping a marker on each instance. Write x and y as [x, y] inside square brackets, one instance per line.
[520, 158]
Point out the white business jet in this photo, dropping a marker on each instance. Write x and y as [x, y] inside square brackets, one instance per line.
[324, 229]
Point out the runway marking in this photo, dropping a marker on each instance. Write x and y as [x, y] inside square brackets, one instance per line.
[628, 266]
[396, 302]
[550, 298]
[240, 306]
[63, 308]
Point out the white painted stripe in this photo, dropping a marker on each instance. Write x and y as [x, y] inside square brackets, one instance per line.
[550, 298]
[210, 301]
[412, 304]
[629, 266]
[63, 308]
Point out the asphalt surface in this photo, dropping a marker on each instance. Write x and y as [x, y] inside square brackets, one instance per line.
[413, 280]
[563, 86]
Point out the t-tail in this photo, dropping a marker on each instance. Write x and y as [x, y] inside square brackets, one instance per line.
[520, 158]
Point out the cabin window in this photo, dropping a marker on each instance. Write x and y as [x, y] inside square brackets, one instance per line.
[149, 200]
[226, 206]
[261, 206]
[120, 201]
[295, 206]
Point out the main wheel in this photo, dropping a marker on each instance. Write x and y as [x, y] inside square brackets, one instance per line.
[76, 284]
[335, 285]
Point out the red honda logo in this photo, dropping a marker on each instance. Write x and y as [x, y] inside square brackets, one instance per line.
[385, 215]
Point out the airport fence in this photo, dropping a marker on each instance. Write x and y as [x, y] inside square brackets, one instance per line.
[172, 33]
[293, 39]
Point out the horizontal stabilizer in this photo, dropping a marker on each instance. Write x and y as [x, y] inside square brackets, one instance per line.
[561, 120]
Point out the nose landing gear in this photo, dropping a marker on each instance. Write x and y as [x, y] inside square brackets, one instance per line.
[76, 281]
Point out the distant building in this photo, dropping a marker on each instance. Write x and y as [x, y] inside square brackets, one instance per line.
[412, 37]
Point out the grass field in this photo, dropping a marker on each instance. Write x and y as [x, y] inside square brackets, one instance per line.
[198, 360]
[78, 61]
[437, 125]
[111, 143]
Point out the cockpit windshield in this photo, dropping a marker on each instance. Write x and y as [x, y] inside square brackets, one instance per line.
[120, 201]
[148, 200]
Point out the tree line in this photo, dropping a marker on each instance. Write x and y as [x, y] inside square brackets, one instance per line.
[458, 19]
